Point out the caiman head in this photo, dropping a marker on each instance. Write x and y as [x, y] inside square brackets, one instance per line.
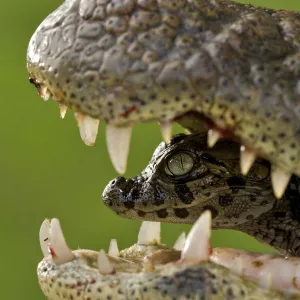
[233, 66]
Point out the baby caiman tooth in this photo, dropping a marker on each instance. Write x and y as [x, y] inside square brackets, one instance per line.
[247, 159]
[180, 242]
[113, 249]
[166, 128]
[149, 233]
[104, 266]
[44, 237]
[89, 130]
[213, 136]
[58, 247]
[197, 245]
[63, 110]
[118, 143]
[280, 179]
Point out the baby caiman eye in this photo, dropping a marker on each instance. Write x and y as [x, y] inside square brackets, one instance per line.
[179, 164]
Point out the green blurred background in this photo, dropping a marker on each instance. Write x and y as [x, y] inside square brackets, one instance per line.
[47, 171]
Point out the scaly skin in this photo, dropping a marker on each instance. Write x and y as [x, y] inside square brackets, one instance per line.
[185, 177]
[132, 61]
[168, 280]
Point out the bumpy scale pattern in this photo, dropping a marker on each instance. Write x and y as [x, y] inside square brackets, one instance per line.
[80, 279]
[128, 61]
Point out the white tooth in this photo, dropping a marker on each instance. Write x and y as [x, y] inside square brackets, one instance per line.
[59, 249]
[149, 233]
[166, 130]
[197, 246]
[44, 237]
[79, 118]
[180, 242]
[212, 137]
[63, 110]
[280, 179]
[113, 249]
[247, 159]
[265, 280]
[44, 93]
[89, 130]
[104, 266]
[118, 143]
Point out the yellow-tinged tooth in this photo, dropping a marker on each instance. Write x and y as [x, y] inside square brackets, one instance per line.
[113, 248]
[280, 179]
[118, 143]
[63, 110]
[89, 130]
[79, 118]
[197, 245]
[166, 130]
[247, 159]
[212, 137]
[104, 266]
[180, 242]
[149, 233]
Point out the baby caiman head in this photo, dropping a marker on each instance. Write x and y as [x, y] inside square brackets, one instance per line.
[185, 178]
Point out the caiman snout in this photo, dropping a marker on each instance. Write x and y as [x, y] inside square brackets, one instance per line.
[117, 193]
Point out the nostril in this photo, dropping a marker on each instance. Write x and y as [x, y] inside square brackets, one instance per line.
[118, 182]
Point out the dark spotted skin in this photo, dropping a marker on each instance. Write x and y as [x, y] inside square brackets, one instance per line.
[215, 183]
[123, 62]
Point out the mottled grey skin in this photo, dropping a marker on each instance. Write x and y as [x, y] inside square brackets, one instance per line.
[168, 279]
[209, 178]
[134, 61]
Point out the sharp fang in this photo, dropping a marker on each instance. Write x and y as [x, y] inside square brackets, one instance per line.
[197, 246]
[44, 93]
[118, 143]
[79, 118]
[44, 237]
[247, 159]
[149, 233]
[63, 110]
[58, 247]
[166, 130]
[113, 249]
[212, 137]
[89, 130]
[280, 179]
[180, 242]
[104, 266]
